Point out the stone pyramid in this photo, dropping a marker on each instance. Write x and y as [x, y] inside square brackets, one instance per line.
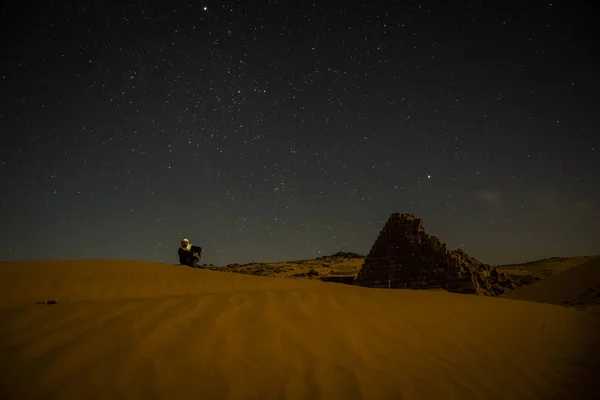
[404, 256]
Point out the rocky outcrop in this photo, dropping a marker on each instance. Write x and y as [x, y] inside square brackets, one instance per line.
[404, 256]
[340, 254]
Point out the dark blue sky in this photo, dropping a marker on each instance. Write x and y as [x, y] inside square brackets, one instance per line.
[285, 130]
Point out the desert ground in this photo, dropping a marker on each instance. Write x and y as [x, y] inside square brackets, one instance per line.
[348, 264]
[342, 265]
[137, 330]
[572, 282]
[339, 264]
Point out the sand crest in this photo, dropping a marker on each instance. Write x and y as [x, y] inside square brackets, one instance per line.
[134, 330]
[577, 286]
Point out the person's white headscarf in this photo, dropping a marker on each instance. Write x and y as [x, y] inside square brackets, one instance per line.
[185, 244]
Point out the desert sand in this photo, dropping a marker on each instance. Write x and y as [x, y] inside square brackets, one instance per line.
[137, 330]
[577, 286]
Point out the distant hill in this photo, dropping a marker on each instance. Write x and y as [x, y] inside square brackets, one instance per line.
[532, 271]
[571, 282]
[543, 268]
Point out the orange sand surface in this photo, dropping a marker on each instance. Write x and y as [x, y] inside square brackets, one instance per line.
[568, 287]
[137, 330]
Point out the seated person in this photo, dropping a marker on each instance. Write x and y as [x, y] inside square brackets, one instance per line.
[188, 254]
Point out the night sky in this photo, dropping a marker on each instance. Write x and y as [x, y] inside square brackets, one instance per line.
[273, 130]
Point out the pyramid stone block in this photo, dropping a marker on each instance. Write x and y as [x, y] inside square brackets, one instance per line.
[404, 256]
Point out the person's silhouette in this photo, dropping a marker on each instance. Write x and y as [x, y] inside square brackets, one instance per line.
[188, 253]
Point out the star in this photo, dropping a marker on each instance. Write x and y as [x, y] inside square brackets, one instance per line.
[185, 124]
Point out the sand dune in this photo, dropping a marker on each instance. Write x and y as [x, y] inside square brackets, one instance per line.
[572, 286]
[133, 330]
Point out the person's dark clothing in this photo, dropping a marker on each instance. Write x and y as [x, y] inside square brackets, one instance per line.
[186, 257]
